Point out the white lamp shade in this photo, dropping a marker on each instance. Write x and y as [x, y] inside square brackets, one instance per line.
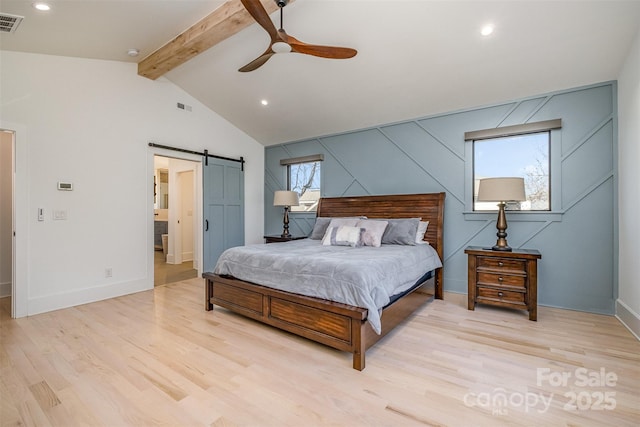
[285, 198]
[501, 190]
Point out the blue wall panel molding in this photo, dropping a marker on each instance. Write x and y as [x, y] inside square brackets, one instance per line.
[576, 239]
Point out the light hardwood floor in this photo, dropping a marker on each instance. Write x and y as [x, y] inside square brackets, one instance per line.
[157, 358]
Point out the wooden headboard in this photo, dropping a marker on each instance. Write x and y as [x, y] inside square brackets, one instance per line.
[428, 206]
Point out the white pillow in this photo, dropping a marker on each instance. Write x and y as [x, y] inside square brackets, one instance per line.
[323, 222]
[422, 228]
[343, 236]
[373, 231]
[346, 221]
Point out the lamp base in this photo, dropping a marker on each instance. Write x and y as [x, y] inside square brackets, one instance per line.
[501, 244]
[285, 220]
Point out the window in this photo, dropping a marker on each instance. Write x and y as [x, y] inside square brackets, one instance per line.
[525, 156]
[303, 177]
[515, 151]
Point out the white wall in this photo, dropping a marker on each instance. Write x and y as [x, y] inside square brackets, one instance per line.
[6, 171]
[89, 122]
[628, 306]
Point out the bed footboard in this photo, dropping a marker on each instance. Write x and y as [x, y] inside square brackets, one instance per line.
[336, 325]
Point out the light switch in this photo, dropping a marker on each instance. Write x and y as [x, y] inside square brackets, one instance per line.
[40, 214]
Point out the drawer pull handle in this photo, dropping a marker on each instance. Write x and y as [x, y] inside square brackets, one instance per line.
[501, 264]
[500, 279]
[500, 294]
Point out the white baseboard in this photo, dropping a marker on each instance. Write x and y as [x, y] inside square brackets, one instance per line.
[5, 289]
[629, 318]
[84, 296]
[187, 256]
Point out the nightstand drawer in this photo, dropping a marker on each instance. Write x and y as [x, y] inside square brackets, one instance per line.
[492, 294]
[496, 279]
[502, 264]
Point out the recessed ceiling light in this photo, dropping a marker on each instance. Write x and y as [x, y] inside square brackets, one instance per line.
[264, 102]
[487, 29]
[133, 52]
[42, 6]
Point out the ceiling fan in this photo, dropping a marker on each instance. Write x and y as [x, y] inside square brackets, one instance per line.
[283, 42]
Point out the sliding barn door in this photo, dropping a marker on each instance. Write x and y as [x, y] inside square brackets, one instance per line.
[223, 219]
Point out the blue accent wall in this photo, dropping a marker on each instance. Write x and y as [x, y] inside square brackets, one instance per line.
[577, 239]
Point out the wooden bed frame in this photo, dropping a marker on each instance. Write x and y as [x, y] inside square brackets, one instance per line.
[337, 325]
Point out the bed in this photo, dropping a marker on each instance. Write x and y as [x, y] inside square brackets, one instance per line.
[341, 326]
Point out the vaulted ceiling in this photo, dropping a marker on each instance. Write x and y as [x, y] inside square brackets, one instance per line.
[415, 58]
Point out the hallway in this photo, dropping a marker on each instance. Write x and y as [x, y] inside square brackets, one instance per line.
[169, 273]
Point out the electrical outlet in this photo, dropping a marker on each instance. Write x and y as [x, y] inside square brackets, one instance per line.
[59, 214]
[108, 272]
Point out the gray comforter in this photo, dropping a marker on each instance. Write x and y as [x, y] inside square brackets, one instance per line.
[364, 276]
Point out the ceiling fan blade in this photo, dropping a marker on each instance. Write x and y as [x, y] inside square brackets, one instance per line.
[258, 62]
[255, 9]
[332, 52]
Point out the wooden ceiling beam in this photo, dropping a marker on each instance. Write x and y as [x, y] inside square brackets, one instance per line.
[219, 25]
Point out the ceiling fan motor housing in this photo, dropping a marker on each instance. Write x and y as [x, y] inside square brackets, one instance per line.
[282, 3]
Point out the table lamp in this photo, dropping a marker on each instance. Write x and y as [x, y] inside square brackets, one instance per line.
[501, 190]
[286, 199]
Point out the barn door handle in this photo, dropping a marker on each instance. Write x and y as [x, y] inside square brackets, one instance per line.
[206, 225]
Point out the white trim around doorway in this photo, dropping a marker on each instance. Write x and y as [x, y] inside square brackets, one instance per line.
[197, 214]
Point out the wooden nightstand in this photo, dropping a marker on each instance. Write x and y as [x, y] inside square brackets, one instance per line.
[507, 279]
[278, 238]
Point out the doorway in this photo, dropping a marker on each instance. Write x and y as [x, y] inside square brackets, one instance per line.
[6, 215]
[175, 220]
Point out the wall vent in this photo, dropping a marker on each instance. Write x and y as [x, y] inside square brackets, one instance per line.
[182, 106]
[9, 23]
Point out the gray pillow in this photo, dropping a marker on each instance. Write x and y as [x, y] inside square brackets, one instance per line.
[401, 231]
[319, 228]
